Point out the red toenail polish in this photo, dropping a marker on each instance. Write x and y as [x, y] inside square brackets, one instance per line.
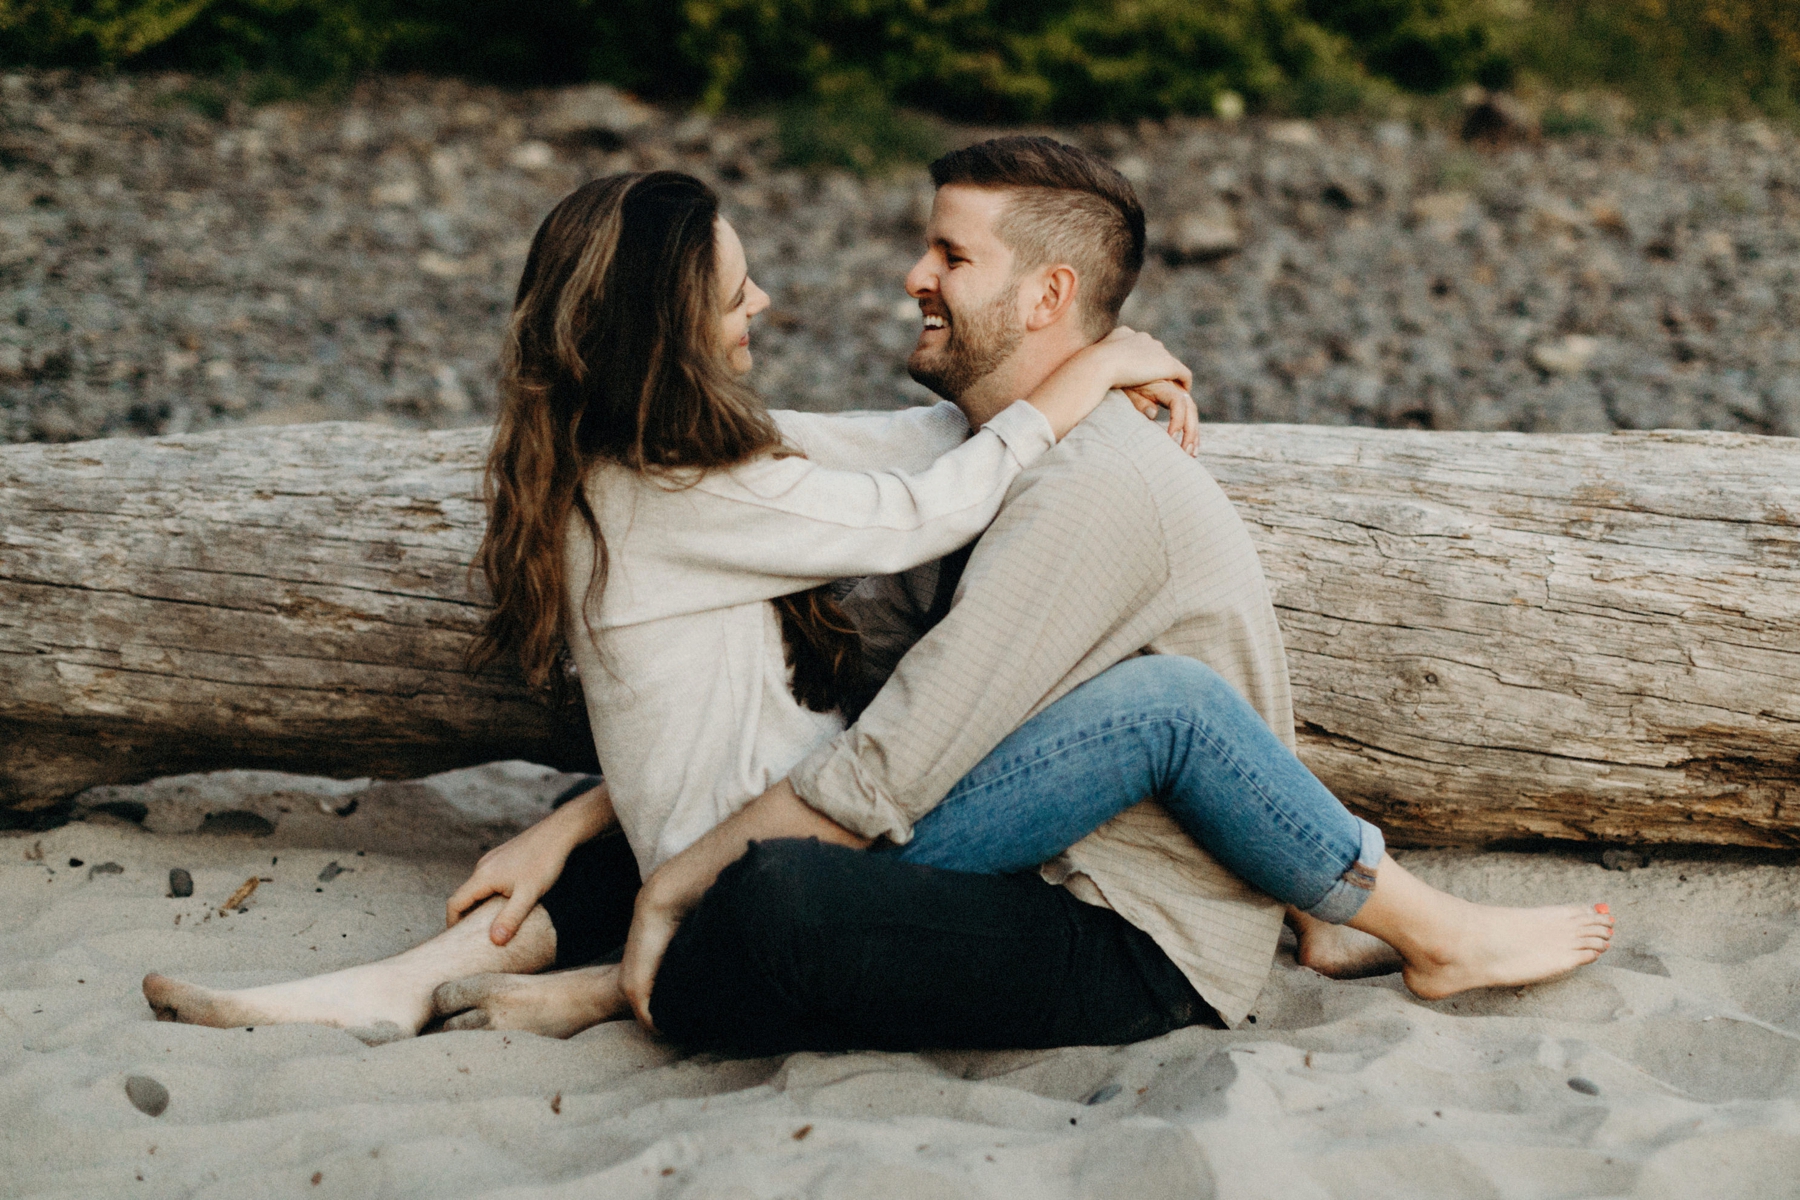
[1603, 908]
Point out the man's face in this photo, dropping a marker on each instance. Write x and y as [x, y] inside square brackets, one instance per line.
[966, 290]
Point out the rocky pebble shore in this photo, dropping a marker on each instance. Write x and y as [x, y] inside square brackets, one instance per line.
[173, 261]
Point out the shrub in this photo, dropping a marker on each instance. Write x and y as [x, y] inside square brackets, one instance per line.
[1668, 54]
[982, 59]
[994, 59]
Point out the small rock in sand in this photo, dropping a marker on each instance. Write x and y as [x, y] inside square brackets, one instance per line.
[105, 868]
[1586, 1087]
[180, 882]
[332, 871]
[146, 1095]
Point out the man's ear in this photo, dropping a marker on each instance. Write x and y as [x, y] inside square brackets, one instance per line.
[1057, 288]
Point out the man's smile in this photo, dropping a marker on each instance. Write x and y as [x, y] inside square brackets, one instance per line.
[936, 324]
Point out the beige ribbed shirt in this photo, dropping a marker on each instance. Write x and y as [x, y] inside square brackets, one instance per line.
[1115, 543]
[680, 654]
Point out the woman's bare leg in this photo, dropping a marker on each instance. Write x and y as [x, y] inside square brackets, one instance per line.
[379, 1001]
[558, 1004]
[1446, 945]
[1338, 951]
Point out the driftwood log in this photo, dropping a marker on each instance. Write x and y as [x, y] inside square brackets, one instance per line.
[1492, 637]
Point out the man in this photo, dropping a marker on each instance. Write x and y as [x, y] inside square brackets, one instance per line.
[1114, 544]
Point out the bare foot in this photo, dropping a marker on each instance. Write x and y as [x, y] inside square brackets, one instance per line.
[358, 1001]
[377, 1002]
[1508, 947]
[559, 1004]
[1340, 952]
[1450, 945]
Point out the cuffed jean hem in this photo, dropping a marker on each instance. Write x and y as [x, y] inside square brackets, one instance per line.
[1351, 891]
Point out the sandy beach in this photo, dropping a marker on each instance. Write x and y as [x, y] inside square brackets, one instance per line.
[1671, 1069]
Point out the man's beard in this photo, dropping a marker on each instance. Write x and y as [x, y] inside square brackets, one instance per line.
[978, 343]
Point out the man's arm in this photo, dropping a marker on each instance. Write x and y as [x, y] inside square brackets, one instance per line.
[1069, 566]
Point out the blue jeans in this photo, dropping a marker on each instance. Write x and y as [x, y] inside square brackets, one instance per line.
[1169, 728]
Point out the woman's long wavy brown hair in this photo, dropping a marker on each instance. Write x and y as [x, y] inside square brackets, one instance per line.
[613, 354]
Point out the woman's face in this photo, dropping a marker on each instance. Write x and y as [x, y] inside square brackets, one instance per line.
[739, 298]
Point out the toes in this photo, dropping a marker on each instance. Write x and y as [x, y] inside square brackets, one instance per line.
[475, 1018]
[459, 994]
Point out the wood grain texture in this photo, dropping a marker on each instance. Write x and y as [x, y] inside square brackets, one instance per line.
[1492, 637]
[1507, 636]
[294, 598]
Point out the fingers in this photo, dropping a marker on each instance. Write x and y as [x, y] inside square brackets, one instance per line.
[651, 932]
[1184, 423]
[637, 991]
[518, 907]
[1184, 414]
[473, 891]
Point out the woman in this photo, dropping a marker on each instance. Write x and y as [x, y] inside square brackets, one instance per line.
[650, 515]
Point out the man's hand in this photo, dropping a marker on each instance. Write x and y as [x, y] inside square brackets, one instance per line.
[653, 927]
[675, 889]
[527, 866]
[1184, 415]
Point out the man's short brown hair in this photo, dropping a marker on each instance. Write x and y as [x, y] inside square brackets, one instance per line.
[1069, 206]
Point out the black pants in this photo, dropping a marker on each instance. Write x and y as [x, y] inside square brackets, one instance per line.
[802, 946]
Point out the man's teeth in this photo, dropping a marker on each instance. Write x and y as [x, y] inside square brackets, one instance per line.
[934, 322]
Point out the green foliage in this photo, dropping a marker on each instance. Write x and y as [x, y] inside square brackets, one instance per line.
[992, 59]
[976, 59]
[1028, 59]
[1731, 55]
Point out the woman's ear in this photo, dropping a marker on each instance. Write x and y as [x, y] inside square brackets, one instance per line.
[1057, 288]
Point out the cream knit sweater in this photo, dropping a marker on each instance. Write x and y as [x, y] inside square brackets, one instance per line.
[680, 653]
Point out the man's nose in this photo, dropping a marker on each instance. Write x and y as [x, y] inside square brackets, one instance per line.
[921, 281]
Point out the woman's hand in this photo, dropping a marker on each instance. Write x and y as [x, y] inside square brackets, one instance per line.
[1134, 359]
[1123, 359]
[526, 867]
[1184, 415]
